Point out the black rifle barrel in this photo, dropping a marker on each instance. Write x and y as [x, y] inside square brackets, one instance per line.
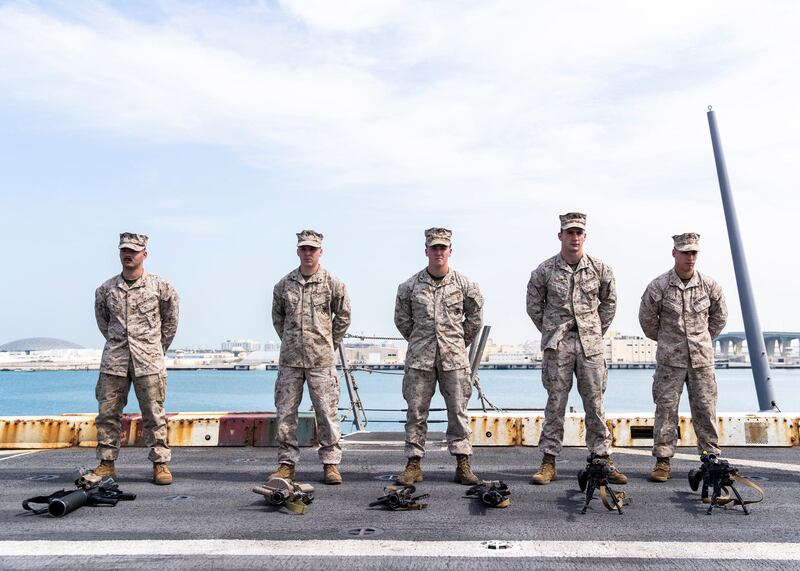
[59, 507]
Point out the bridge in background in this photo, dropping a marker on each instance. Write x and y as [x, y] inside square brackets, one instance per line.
[778, 344]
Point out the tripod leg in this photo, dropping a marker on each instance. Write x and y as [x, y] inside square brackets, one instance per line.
[614, 499]
[589, 494]
[739, 499]
[715, 494]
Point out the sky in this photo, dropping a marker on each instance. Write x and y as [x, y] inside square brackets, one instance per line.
[221, 129]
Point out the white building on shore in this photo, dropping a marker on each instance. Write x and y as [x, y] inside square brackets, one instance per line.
[629, 349]
[241, 345]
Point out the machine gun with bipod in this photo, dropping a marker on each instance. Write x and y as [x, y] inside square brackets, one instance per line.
[719, 476]
[595, 477]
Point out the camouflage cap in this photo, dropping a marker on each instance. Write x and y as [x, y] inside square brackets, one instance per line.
[688, 242]
[136, 242]
[437, 236]
[573, 220]
[309, 238]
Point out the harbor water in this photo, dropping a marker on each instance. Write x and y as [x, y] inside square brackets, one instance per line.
[58, 392]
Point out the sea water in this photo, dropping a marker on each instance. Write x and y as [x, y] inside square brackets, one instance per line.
[629, 390]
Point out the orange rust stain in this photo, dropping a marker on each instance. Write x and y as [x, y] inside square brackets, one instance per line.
[182, 431]
[36, 434]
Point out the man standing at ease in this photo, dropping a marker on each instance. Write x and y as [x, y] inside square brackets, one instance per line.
[572, 299]
[439, 312]
[311, 313]
[683, 311]
[137, 313]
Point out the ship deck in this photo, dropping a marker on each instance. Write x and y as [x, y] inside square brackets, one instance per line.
[209, 518]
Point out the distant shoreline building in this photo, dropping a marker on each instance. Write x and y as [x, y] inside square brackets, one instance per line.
[620, 351]
[47, 354]
[239, 345]
[629, 349]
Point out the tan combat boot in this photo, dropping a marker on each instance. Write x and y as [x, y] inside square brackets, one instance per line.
[464, 474]
[547, 471]
[616, 476]
[161, 474]
[332, 475]
[661, 472]
[412, 474]
[284, 471]
[106, 468]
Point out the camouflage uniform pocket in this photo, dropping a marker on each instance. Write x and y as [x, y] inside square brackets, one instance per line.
[290, 298]
[322, 302]
[549, 366]
[113, 303]
[149, 308]
[591, 286]
[701, 304]
[162, 387]
[455, 303]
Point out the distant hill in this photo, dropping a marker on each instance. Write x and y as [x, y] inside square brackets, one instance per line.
[39, 344]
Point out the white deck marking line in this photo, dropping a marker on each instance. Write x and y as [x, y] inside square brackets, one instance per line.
[390, 548]
[9, 454]
[737, 462]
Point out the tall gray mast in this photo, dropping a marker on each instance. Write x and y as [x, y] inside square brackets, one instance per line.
[752, 326]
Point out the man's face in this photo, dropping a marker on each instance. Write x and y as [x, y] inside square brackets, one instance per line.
[131, 259]
[438, 255]
[572, 240]
[309, 256]
[684, 261]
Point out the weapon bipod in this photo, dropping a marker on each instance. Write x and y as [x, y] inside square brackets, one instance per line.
[717, 493]
[595, 477]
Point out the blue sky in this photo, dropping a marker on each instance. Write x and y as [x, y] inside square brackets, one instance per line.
[221, 129]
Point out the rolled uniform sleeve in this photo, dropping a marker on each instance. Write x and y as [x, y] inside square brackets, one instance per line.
[473, 313]
[536, 299]
[340, 304]
[278, 309]
[168, 307]
[608, 299]
[403, 317]
[101, 313]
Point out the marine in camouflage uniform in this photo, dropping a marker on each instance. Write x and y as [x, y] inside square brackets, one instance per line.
[311, 314]
[572, 299]
[683, 311]
[440, 316]
[137, 313]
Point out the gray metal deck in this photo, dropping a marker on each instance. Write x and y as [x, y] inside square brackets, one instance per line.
[215, 504]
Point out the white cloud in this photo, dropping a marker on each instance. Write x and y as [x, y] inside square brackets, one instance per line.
[505, 112]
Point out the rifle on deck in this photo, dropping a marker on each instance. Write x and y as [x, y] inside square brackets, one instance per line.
[92, 490]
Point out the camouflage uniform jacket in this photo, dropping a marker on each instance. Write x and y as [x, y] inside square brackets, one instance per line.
[139, 323]
[443, 319]
[311, 317]
[560, 299]
[683, 318]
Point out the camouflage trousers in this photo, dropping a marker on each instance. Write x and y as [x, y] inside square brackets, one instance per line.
[558, 367]
[112, 396]
[701, 385]
[418, 389]
[323, 388]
